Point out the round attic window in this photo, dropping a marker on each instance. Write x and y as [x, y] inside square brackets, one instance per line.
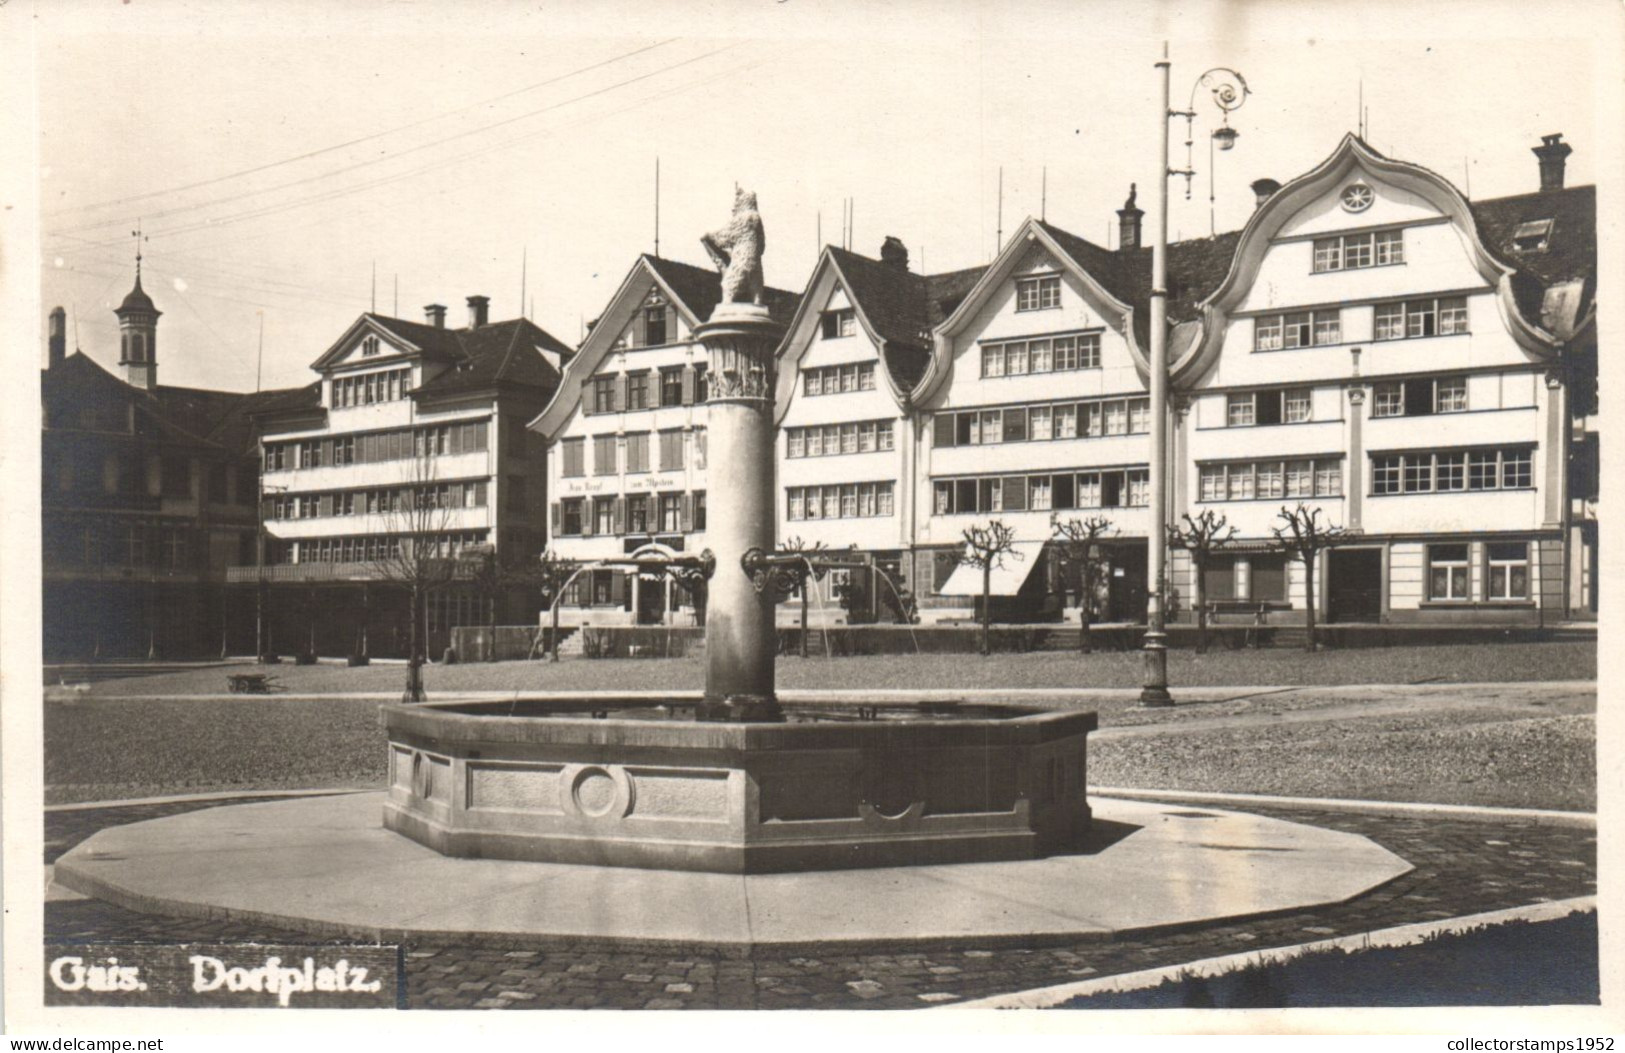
[1357, 197]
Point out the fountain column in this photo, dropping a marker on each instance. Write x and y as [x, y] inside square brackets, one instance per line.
[741, 340]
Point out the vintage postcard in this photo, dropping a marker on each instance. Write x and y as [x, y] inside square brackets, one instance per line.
[763, 507]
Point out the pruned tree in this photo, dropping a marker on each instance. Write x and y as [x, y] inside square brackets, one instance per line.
[417, 559]
[1302, 535]
[794, 546]
[494, 575]
[1079, 543]
[1202, 537]
[986, 548]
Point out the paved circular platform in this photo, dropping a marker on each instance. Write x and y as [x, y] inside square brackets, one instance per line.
[326, 865]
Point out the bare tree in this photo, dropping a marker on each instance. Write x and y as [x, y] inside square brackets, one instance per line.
[496, 574]
[1202, 537]
[794, 546]
[1079, 542]
[985, 548]
[417, 558]
[1302, 535]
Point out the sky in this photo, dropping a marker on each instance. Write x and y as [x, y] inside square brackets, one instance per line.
[275, 162]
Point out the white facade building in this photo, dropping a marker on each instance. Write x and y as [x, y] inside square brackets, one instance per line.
[412, 428]
[1372, 353]
[627, 468]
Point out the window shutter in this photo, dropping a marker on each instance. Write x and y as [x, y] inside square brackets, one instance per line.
[588, 520]
[617, 588]
[480, 430]
[688, 385]
[687, 522]
[327, 505]
[1015, 493]
[620, 515]
[554, 518]
[943, 423]
[455, 442]
[622, 383]
[479, 495]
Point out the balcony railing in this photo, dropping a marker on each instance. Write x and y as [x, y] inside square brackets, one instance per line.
[285, 572]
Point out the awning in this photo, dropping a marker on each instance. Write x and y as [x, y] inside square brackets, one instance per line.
[1006, 580]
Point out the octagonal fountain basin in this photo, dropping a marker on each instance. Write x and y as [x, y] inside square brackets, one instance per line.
[629, 782]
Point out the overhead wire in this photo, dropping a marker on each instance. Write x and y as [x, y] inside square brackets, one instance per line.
[365, 138]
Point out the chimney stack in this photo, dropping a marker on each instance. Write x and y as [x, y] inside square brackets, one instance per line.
[893, 253]
[58, 337]
[1553, 153]
[479, 309]
[436, 315]
[1128, 222]
[1263, 189]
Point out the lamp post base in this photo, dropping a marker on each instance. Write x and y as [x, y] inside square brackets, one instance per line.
[1154, 690]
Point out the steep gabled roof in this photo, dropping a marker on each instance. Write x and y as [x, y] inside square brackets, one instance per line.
[700, 289]
[695, 292]
[500, 354]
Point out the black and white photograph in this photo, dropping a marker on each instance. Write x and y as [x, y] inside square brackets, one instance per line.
[809, 505]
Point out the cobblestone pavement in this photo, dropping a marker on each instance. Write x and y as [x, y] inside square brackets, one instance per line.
[1463, 866]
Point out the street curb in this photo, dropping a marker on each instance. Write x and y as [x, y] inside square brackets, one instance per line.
[1399, 936]
[223, 795]
[1536, 816]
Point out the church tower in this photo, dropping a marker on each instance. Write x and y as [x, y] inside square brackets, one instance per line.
[138, 335]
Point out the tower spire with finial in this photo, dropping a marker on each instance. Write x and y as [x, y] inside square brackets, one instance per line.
[139, 238]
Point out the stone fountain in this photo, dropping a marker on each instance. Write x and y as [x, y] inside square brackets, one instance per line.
[732, 780]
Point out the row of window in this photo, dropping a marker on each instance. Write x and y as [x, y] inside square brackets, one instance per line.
[1271, 479]
[369, 548]
[836, 380]
[1443, 471]
[125, 472]
[830, 439]
[1271, 406]
[1400, 398]
[377, 501]
[1399, 320]
[1506, 571]
[402, 444]
[646, 389]
[1038, 293]
[1347, 252]
[104, 544]
[839, 501]
[1050, 354]
[1113, 488]
[573, 453]
[614, 514]
[364, 389]
[1058, 420]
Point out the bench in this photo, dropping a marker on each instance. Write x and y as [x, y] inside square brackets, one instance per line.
[251, 683]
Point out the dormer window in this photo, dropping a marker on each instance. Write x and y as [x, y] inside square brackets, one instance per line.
[1532, 236]
[1038, 293]
[369, 347]
[840, 323]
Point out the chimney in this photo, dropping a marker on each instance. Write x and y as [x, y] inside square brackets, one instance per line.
[479, 310]
[1262, 190]
[58, 337]
[1128, 222]
[893, 253]
[435, 313]
[1553, 152]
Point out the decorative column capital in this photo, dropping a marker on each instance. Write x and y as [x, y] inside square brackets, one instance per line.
[741, 340]
[1357, 395]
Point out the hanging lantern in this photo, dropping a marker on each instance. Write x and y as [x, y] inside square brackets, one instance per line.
[1226, 137]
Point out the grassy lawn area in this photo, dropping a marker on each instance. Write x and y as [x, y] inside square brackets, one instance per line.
[1459, 663]
[1519, 743]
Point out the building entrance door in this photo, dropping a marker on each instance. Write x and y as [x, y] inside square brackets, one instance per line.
[1126, 585]
[651, 599]
[1354, 585]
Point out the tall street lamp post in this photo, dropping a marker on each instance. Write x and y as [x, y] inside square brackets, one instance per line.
[1229, 91]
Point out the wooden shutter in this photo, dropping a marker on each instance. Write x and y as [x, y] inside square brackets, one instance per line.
[943, 423]
[326, 507]
[620, 515]
[588, 520]
[687, 522]
[479, 494]
[688, 385]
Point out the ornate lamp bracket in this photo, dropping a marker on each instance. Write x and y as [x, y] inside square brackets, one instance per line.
[689, 571]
